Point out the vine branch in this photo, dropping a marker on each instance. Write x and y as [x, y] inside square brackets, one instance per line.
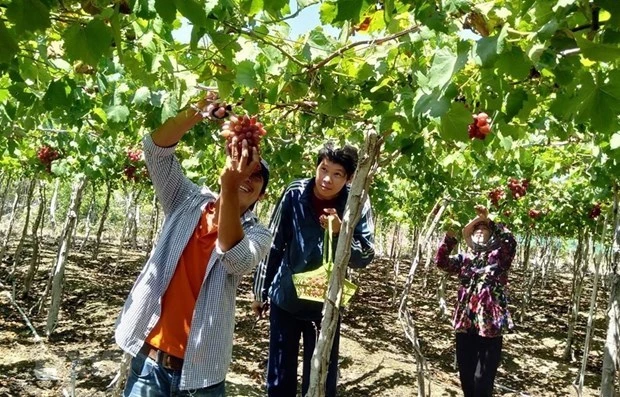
[341, 51]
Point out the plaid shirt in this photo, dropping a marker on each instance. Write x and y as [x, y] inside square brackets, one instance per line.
[209, 346]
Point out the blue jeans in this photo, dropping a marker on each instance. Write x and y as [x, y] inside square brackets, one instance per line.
[284, 334]
[148, 379]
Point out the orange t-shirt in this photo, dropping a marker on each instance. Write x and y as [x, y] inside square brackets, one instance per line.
[177, 308]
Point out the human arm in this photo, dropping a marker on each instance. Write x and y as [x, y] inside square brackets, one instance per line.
[445, 262]
[169, 181]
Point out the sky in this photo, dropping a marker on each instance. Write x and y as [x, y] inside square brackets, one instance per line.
[307, 20]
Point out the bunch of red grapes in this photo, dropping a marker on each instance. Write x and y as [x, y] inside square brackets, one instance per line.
[243, 127]
[518, 188]
[533, 213]
[496, 195]
[134, 156]
[595, 211]
[480, 127]
[46, 155]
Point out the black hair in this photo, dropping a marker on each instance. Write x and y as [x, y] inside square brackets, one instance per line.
[345, 156]
[264, 170]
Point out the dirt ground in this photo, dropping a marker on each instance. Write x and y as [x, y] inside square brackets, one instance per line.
[375, 356]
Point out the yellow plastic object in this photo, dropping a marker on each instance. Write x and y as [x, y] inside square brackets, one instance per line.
[312, 285]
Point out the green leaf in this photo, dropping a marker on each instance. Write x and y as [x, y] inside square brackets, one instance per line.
[166, 10]
[597, 101]
[506, 143]
[514, 103]
[275, 6]
[28, 15]
[142, 96]
[251, 103]
[193, 11]
[209, 5]
[598, 52]
[442, 68]
[514, 63]
[224, 88]
[252, 7]
[58, 94]
[350, 10]
[22, 93]
[435, 104]
[9, 46]
[454, 123]
[116, 32]
[144, 9]
[170, 108]
[486, 51]
[328, 12]
[562, 4]
[117, 113]
[100, 115]
[246, 75]
[388, 9]
[614, 143]
[88, 44]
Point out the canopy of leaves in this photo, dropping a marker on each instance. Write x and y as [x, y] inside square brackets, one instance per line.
[91, 77]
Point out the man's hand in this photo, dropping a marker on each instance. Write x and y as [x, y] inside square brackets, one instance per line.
[211, 108]
[239, 166]
[260, 309]
[335, 219]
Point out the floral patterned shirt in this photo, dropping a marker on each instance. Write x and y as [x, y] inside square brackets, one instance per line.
[482, 305]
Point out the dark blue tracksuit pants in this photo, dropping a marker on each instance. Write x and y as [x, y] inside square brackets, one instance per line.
[285, 333]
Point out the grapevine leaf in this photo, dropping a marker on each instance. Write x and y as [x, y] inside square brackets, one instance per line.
[166, 10]
[90, 43]
[142, 96]
[454, 123]
[9, 46]
[193, 10]
[117, 113]
[252, 7]
[514, 63]
[328, 12]
[514, 103]
[28, 15]
[58, 94]
[598, 52]
[246, 74]
[442, 68]
[486, 51]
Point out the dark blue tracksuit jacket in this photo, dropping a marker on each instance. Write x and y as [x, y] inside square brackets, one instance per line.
[298, 247]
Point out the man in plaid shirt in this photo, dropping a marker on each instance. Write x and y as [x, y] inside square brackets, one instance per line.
[178, 320]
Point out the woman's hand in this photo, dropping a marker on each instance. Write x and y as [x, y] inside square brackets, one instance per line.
[482, 212]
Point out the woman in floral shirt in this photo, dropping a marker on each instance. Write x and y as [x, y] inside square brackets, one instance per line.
[481, 312]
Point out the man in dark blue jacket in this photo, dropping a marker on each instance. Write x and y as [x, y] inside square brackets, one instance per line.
[298, 225]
